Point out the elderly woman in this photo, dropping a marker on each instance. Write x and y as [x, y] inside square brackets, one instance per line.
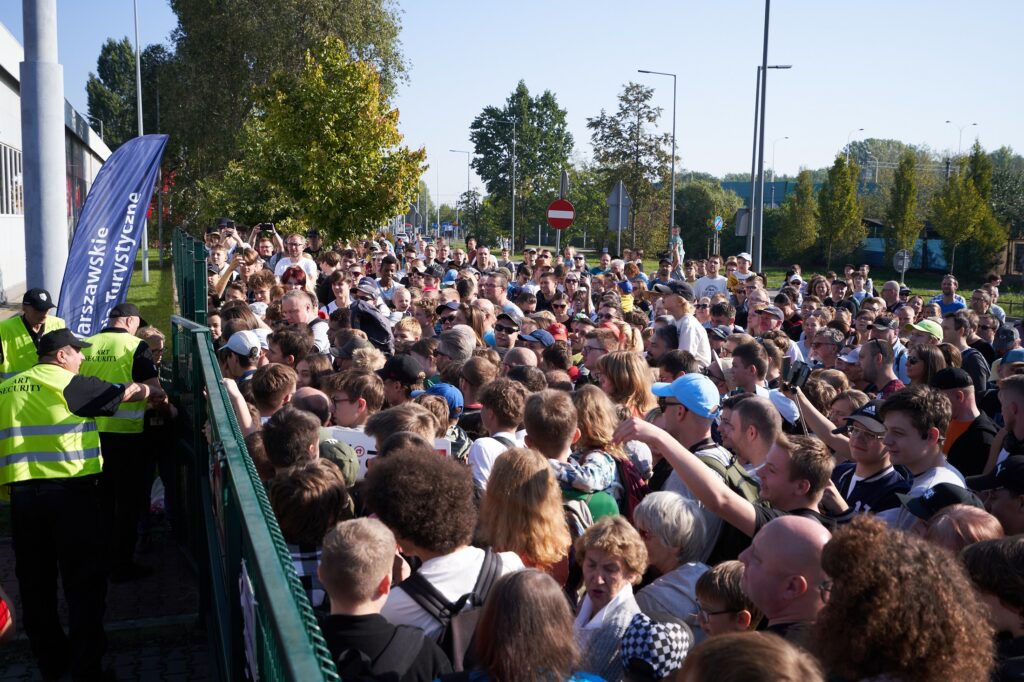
[613, 558]
[673, 533]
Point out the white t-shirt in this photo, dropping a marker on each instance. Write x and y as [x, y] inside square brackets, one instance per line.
[485, 452]
[694, 338]
[307, 265]
[453, 575]
[709, 286]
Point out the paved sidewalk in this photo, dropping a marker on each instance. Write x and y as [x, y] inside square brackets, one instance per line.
[152, 624]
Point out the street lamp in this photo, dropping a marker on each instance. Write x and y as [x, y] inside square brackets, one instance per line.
[138, 100]
[672, 198]
[960, 134]
[513, 124]
[753, 154]
[775, 142]
[855, 130]
[468, 155]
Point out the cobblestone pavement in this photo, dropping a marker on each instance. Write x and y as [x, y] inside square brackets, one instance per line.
[152, 624]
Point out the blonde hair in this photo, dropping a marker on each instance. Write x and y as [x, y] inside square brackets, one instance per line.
[356, 556]
[367, 358]
[521, 510]
[631, 381]
[614, 536]
[596, 421]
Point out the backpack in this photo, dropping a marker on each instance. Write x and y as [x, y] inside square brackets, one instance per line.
[458, 619]
[634, 486]
[394, 660]
[735, 476]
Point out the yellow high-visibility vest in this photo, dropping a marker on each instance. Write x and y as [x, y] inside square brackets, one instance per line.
[19, 351]
[111, 358]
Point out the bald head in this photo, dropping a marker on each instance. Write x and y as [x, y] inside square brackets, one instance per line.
[313, 401]
[518, 357]
[783, 569]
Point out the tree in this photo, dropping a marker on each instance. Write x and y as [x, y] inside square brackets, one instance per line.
[470, 209]
[697, 204]
[980, 170]
[327, 140]
[957, 212]
[838, 211]
[902, 224]
[627, 148]
[542, 147]
[113, 105]
[1008, 189]
[798, 227]
[225, 52]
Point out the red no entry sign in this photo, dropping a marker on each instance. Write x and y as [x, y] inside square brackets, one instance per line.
[561, 214]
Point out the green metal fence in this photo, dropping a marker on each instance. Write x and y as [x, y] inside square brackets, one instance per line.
[259, 621]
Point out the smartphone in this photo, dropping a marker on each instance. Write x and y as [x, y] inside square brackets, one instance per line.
[798, 374]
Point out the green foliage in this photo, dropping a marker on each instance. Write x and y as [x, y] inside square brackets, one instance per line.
[839, 214]
[797, 231]
[979, 170]
[902, 225]
[1008, 190]
[627, 148]
[326, 143]
[542, 147]
[960, 215]
[471, 209]
[225, 52]
[111, 91]
[697, 204]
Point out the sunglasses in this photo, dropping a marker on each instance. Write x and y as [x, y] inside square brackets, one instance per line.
[447, 319]
[560, 306]
[505, 330]
[606, 316]
[703, 305]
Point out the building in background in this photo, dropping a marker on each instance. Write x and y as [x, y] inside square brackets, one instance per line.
[85, 152]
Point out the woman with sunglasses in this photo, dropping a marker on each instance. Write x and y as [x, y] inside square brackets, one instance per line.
[702, 310]
[923, 362]
[560, 308]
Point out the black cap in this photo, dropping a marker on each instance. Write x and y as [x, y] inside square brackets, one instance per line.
[886, 322]
[57, 339]
[435, 271]
[225, 222]
[127, 310]
[1008, 474]
[866, 416]
[675, 287]
[39, 299]
[951, 378]
[721, 332]
[935, 499]
[345, 352]
[449, 305]
[403, 369]
[313, 232]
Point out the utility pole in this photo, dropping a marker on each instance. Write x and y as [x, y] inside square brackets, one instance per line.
[138, 101]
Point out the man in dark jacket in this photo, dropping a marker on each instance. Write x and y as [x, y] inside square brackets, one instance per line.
[970, 433]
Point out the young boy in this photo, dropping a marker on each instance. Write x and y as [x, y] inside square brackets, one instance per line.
[356, 570]
[356, 395]
[723, 606]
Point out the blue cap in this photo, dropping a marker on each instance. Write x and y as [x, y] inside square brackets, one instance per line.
[696, 392]
[1015, 355]
[451, 395]
[541, 336]
[626, 287]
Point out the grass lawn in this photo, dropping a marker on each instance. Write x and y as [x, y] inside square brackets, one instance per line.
[155, 299]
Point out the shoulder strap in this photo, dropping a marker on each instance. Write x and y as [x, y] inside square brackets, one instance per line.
[429, 598]
[404, 647]
[490, 571]
[504, 441]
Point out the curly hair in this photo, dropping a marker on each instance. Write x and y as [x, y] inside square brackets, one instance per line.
[521, 510]
[597, 422]
[900, 607]
[424, 500]
[630, 377]
[617, 538]
[506, 399]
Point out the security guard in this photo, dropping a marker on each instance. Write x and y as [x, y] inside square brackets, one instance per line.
[19, 336]
[118, 356]
[50, 456]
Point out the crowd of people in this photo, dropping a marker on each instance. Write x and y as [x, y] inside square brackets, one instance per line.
[558, 466]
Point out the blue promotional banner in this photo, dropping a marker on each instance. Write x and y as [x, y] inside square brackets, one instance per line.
[102, 254]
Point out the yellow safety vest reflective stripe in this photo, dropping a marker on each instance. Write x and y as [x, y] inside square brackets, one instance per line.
[39, 435]
[19, 351]
[111, 358]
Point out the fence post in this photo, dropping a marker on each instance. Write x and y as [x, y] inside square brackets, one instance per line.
[199, 275]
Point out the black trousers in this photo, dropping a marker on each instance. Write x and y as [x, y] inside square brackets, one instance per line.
[128, 466]
[58, 526]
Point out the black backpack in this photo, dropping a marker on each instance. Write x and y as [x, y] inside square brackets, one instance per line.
[458, 619]
[391, 664]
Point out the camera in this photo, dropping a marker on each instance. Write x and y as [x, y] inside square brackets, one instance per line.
[798, 374]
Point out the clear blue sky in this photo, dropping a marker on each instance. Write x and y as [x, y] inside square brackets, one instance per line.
[896, 69]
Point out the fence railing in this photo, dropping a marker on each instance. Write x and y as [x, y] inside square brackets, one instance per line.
[258, 618]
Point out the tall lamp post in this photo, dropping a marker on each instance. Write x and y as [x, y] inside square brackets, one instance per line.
[757, 221]
[138, 102]
[960, 134]
[753, 155]
[672, 198]
[775, 142]
[468, 156]
[848, 136]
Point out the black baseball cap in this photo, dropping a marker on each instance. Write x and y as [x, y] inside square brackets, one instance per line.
[127, 310]
[403, 369]
[39, 299]
[57, 339]
[675, 287]
[935, 499]
[866, 416]
[1008, 474]
[345, 352]
[951, 378]
[887, 322]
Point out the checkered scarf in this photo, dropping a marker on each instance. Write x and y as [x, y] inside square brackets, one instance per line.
[657, 649]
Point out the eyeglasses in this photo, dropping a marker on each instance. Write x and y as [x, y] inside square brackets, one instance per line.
[865, 434]
[505, 330]
[606, 316]
[447, 319]
[571, 280]
[337, 400]
[560, 306]
[703, 305]
[704, 616]
[594, 349]
[985, 327]
[294, 243]
[825, 590]
[664, 404]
